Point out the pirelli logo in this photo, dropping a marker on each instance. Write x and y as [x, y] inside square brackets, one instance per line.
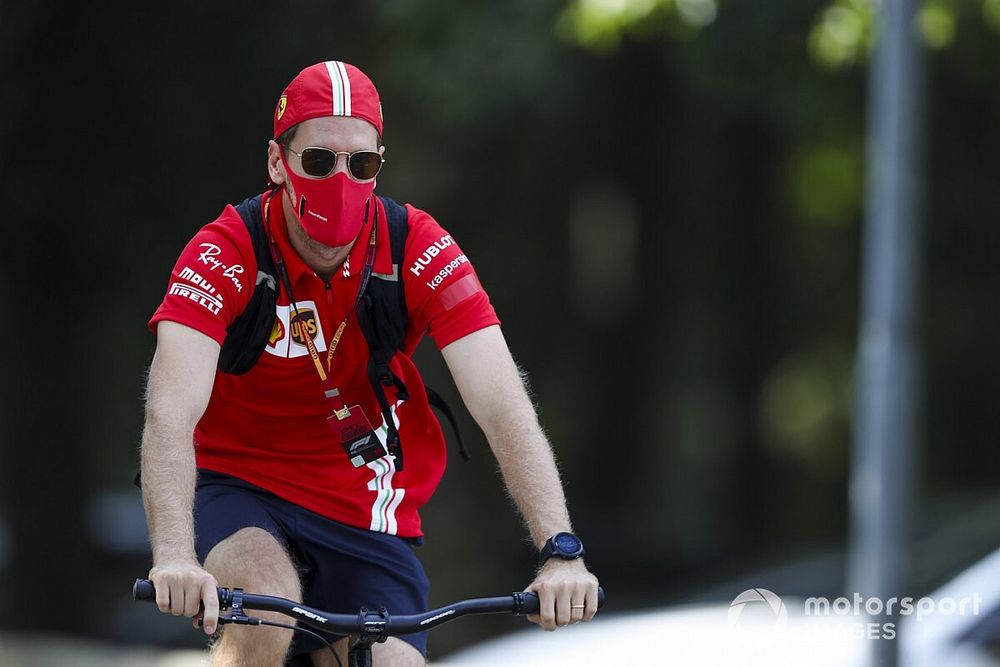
[212, 304]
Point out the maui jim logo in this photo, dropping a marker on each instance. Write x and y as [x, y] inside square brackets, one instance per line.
[195, 279]
[433, 250]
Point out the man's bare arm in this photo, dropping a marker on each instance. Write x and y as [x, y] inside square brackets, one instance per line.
[180, 384]
[495, 395]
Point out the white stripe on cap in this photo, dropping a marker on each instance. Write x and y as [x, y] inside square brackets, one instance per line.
[336, 87]
[347, 87]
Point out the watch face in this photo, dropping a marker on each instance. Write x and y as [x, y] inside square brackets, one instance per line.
[566, 543]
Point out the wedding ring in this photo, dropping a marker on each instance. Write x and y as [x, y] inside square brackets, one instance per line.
[578, 606]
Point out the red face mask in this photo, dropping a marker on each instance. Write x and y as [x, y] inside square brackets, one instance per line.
[332, 209]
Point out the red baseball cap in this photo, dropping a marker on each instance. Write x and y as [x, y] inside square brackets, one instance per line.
[331, 88]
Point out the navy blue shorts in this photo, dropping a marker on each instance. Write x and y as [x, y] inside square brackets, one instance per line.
[343, 568]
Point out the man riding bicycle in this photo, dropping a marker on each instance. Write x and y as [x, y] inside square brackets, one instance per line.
[309, 465]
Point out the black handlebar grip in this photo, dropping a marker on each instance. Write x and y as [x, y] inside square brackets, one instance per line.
[529, 604]
[143, 591]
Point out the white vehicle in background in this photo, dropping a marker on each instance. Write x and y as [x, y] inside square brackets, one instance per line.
[958, 640]
[760, 629]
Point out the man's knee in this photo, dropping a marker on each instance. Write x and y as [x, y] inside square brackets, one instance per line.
[252, 559]
[395, 651]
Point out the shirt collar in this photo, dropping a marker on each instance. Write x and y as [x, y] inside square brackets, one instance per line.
[352, 266]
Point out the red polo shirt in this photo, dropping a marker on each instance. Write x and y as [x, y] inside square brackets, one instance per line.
[268, 426]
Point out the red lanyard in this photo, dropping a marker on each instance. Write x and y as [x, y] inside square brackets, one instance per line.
[329, 390]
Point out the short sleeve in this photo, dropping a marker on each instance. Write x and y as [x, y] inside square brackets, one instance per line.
[211, 284]
[443, 294]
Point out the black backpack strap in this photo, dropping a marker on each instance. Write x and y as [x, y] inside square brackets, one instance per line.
[438, 402]
[382, 317]
[247, 336]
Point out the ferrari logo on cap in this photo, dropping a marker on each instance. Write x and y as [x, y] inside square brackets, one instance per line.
[282, 103]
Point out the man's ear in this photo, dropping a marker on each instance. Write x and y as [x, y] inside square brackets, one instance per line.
[275, 167]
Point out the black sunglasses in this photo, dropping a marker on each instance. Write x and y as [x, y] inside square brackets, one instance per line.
[320, 162]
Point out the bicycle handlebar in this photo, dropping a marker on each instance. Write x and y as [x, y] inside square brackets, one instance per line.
[374, 624]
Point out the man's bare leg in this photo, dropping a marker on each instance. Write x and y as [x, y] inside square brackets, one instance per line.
[253, 560]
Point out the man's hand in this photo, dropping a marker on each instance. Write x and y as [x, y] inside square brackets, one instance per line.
[567, 593]
[182, 587]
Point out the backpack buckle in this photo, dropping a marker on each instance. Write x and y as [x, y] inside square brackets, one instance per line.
[383, 374]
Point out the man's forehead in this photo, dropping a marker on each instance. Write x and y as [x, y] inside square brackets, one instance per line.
[337, 131]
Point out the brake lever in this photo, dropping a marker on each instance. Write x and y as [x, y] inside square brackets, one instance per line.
[225, 619]
[234, 602]
[240, 620]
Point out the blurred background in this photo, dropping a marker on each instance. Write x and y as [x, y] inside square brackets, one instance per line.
[664, 199]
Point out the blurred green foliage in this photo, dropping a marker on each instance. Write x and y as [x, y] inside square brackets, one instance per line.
[600, 25]
[842, 34]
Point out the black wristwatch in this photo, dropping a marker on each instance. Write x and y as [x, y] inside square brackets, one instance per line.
[561, 545]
